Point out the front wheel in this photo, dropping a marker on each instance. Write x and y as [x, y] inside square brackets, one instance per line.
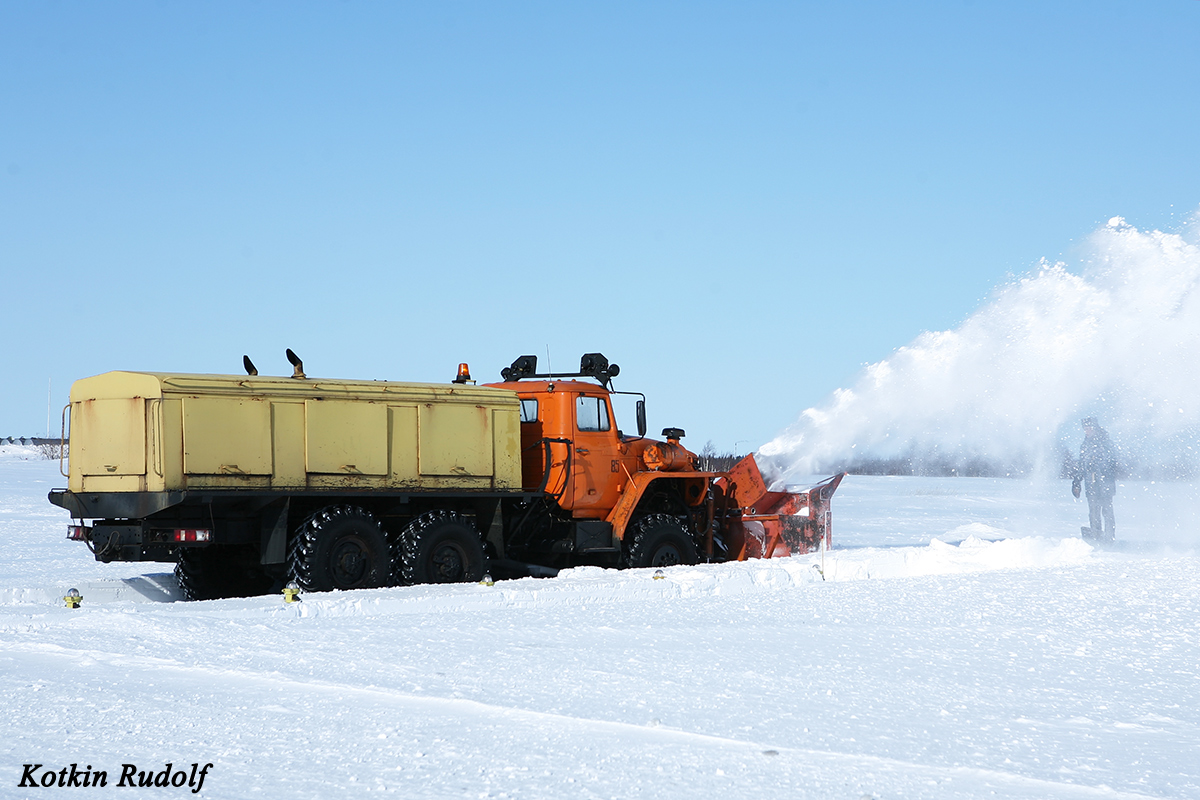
[340, 547]
[659, 540]
[440, 547]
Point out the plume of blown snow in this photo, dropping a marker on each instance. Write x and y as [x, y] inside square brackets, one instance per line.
[1004, 392]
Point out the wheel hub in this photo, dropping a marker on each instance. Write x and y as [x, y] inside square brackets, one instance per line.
[666, 556]
[448, 563]
[350, 562]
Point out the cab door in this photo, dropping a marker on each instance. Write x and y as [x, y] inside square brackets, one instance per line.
[533, 454]
[596, 470]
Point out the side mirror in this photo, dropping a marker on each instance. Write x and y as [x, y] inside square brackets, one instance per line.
[641, 417]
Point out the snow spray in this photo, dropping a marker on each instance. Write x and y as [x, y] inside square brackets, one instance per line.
[1004, 392]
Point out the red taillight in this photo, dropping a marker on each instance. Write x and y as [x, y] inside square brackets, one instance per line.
[78, 533]
[190, 535]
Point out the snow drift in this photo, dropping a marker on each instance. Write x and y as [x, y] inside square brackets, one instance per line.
[1004, 392]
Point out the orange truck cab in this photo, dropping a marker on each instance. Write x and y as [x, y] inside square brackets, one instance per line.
[613, 498]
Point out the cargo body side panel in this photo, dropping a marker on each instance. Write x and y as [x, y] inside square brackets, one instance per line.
[113, 440]
[287, 438]
[344, 437]
[111, 417]
[171, 450]
[454, 440]
[226, 436]
[402, 428]
[506, 448]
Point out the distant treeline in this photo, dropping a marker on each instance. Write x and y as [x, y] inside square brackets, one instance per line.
[712, 461]
[31, 440]
[47, 448]
[926, 466]
[1173, 464]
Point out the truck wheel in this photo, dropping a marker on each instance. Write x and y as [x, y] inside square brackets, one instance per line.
[195, 573]
[659, 540]
[440, 547]
[340, 547]
[217, 571]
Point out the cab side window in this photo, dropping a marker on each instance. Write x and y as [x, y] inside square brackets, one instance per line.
[529, 410]
[591, 413]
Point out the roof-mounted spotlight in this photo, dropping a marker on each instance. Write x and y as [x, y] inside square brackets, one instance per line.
[595, 365]
[523, 367]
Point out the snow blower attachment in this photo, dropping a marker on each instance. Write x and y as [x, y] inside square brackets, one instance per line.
[768, 524]
[251, 482]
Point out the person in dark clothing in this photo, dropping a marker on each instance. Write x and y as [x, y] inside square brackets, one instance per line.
[1097, 472]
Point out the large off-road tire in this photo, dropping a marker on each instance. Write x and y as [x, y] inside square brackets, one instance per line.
[659, 540]
[440, 547]
[217, 571]
[195, 572]
[340, 547]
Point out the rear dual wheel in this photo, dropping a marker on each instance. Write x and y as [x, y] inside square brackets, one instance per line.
[345, 547]
[340, 547]
[220, 570]
[440, 547]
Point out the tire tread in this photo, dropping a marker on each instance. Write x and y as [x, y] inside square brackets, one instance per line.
[302, 552]
[646, 529]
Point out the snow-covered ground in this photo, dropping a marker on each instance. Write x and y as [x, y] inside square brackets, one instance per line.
[963, 642]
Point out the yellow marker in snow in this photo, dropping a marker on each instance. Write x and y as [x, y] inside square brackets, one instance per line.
[73, 599]
[291, 593]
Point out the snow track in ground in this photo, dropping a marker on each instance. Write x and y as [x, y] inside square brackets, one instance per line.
[594, 584]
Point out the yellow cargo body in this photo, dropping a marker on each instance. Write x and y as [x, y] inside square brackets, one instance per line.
[153, 432]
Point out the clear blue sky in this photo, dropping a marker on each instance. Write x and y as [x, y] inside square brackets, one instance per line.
[740, 203]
